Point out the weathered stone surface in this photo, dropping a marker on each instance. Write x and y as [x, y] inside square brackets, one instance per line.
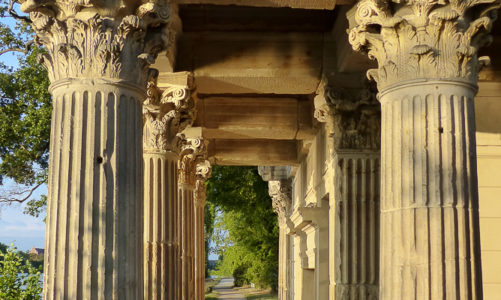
[193, 154]
[430, 190]
[422, 39]
[95, 193]
[253, 152]
[166, 158]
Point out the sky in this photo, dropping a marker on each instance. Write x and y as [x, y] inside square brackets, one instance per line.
[24, 231]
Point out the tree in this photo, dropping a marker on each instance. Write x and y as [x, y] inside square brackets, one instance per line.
[25, 110]
[245, 231]
[18, 279]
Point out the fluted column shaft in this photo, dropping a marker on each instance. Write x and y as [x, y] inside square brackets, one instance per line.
[94, 209]
[283, 260]
[187, 240]
[164, 116]
[199, 251]
[203, 171]
[357, 221]
[161, 241]
[429, 204]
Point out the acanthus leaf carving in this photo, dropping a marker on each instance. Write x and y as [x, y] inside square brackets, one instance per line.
[193, 151]
[280, 192]
[165, 116]
[423, 39]
[84, 40]
[203, 171]
[352, 117]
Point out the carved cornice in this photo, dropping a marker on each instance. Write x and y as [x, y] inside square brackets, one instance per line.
[110, 39]
[165, 115]
[193, 152]
[281, 195]
[203, 172]
[352, 117]
[423, 39]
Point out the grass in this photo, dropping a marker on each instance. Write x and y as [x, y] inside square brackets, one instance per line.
[209, 284]
[257, 294]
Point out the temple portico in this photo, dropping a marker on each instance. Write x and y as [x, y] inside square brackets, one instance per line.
[367, 119]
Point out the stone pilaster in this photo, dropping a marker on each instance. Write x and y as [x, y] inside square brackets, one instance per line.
[164, 115]
[203, 171]
[427, 78]
[352, 119]
[193, 151]
[98, 58]
[281, 193]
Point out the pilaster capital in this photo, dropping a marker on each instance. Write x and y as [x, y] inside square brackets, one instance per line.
[281, 195]
[352, 117]
[203, 172]
[422, 39]
[193, 152]
[165, 115]
[99, 39]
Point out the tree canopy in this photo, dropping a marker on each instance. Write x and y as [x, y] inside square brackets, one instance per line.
[25, 109]
[245, 229]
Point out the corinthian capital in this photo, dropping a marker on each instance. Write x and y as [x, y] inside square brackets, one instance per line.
[115, 40]
[352, 117]
[165, 115]
[203, 172]
[280, 192]
[428, 39]
[193, 152]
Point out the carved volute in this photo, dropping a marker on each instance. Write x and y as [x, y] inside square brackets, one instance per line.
[116, 40]
[203, 171]
[193, 152]
[426, 39]
[352, 117]
[165, 115]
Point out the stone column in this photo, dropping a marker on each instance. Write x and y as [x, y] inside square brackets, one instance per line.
[352, 123]
[203, 172]
[164, 117]
[193, 151]
[98, 62]
[281, 193]
[427, 79]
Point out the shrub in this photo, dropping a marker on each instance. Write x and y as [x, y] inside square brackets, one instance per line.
[18, 279]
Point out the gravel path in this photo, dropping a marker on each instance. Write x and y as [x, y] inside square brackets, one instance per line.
[226, 291]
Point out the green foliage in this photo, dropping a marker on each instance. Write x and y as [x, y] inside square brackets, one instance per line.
[245, 231]
[18, 279]
[25, 110]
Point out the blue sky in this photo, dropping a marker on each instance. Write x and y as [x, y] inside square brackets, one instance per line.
[24, 231]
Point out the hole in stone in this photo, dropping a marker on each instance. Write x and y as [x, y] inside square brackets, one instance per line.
[441, 130]
[99, 160]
